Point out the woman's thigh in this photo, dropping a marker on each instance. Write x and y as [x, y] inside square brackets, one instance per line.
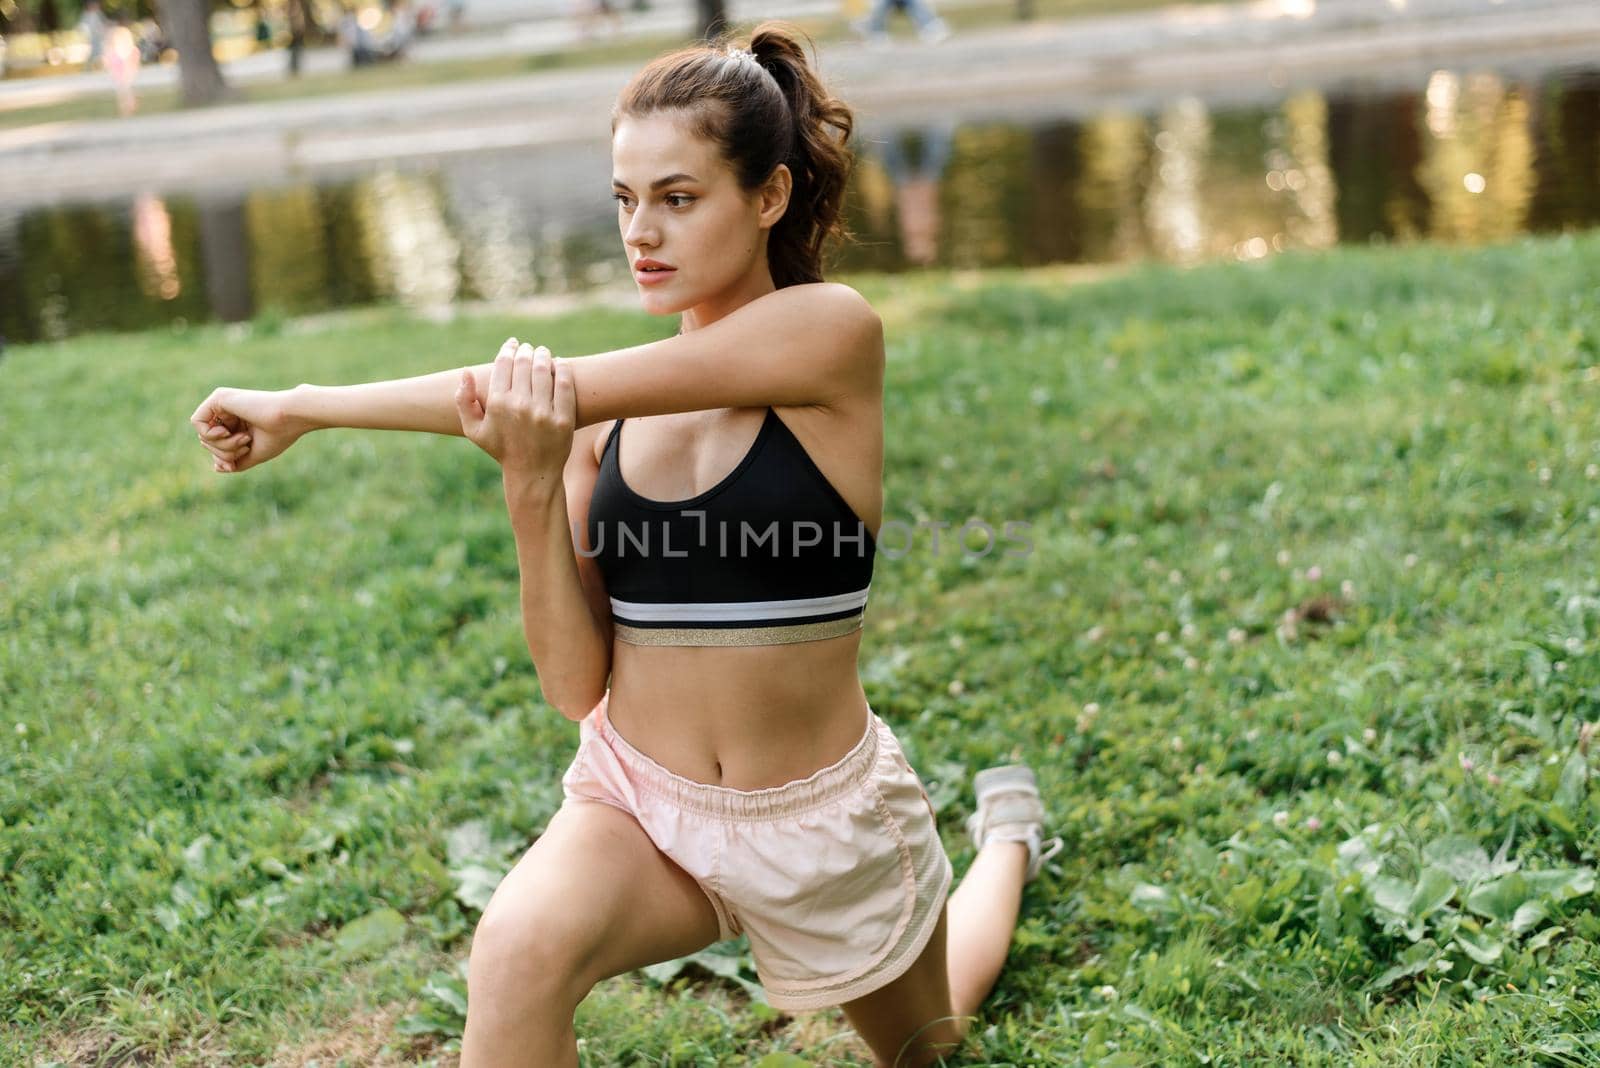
[910, 1022]
[596, 898]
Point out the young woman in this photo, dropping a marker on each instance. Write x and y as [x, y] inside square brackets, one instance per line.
[704, 630]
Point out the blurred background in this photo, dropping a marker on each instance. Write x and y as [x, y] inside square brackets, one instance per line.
[313, 155]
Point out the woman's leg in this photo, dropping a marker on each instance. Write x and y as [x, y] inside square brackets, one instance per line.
[983, 915]
[592, 898]
[925, 1013]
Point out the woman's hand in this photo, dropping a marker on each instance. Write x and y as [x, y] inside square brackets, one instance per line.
[526, 421]
[245, 427]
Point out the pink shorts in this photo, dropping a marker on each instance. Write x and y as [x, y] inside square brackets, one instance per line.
[838, 879]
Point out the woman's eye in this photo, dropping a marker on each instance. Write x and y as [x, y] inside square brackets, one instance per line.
[622, 199]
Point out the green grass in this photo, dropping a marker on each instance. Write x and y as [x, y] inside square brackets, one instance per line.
[1306, 534]
[413, 75]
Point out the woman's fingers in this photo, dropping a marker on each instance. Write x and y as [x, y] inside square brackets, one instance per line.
[228, 447]
[210, 412]
[542, 384]
[500, 374]
[225, 440]
[522, 370]
[563, 393]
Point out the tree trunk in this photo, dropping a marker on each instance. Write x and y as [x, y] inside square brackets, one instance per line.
[188, 28]
[712, 16]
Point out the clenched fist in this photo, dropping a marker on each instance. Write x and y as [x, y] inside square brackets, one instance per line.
[245, 427]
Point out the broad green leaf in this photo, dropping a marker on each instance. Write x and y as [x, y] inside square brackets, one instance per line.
[1357, 854]
[448, 990]
[1479, 946]
[1465, 860]
[467, 841]
[1389, 894]
[1244, 897]
[1434, 888]
[1416, 958]
[371, 934]
[475, 884]
[1559, 817]
[782, 1060]
[1559, 884]
[1200, 856]
[1148, 895]
[1529, 915]
[666, 970]
[1285, 884]
[1499, 898]
[1544, 937]
[1574, 781]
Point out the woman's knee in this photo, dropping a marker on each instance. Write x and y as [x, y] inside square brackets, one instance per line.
[532, 952]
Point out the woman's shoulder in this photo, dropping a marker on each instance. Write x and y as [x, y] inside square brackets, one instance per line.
[834, 299]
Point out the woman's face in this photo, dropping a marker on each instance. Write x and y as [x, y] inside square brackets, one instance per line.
[679, 203]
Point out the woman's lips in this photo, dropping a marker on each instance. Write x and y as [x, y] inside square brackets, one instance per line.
[650, 278]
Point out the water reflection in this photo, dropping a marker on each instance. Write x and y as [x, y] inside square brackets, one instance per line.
[1477, 165]
[1466, 156]
[289, 247]
[915, 170]
[1298, 168]
[1114, 150]
[156, 265]
[1173, 210]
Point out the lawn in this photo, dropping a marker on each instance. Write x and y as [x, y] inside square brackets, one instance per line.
[1303, 643]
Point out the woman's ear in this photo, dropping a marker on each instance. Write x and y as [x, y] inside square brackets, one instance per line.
[775, 195]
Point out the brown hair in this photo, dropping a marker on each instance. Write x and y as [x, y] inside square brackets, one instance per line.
[775, 110]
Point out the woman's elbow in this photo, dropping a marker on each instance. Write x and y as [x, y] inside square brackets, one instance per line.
[577, 700]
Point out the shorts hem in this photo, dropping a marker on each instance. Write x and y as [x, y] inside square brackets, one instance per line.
[808, 1001]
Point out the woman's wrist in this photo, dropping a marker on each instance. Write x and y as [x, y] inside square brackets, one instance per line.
[298, 408]
[532, 491]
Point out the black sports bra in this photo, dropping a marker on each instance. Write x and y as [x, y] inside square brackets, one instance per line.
[769, 555]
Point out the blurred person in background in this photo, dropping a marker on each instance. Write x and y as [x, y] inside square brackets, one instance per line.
[152, 41]
[403, 28]
[93, 27]
[122, 59]
[590, 12]
[875, 27]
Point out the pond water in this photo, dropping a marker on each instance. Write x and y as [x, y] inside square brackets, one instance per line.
[1461, 156]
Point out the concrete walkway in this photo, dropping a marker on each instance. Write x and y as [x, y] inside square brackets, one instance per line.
[503, 31]
[1231, 51]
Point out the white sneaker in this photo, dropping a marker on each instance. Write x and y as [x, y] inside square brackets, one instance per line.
[1009, 809]
[935, 32]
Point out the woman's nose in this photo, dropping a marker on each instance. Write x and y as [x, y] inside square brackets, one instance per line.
[640, 230]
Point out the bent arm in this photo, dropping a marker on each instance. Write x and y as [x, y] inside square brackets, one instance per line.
[805, 344]
[571, 649]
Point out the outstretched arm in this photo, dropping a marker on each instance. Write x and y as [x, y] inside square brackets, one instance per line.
[808, 344]
[804, 344]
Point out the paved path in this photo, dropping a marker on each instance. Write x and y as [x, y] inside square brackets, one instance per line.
[1055, 68]
[512, 32]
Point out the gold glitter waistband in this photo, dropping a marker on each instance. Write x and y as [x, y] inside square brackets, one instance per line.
[778, 635]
